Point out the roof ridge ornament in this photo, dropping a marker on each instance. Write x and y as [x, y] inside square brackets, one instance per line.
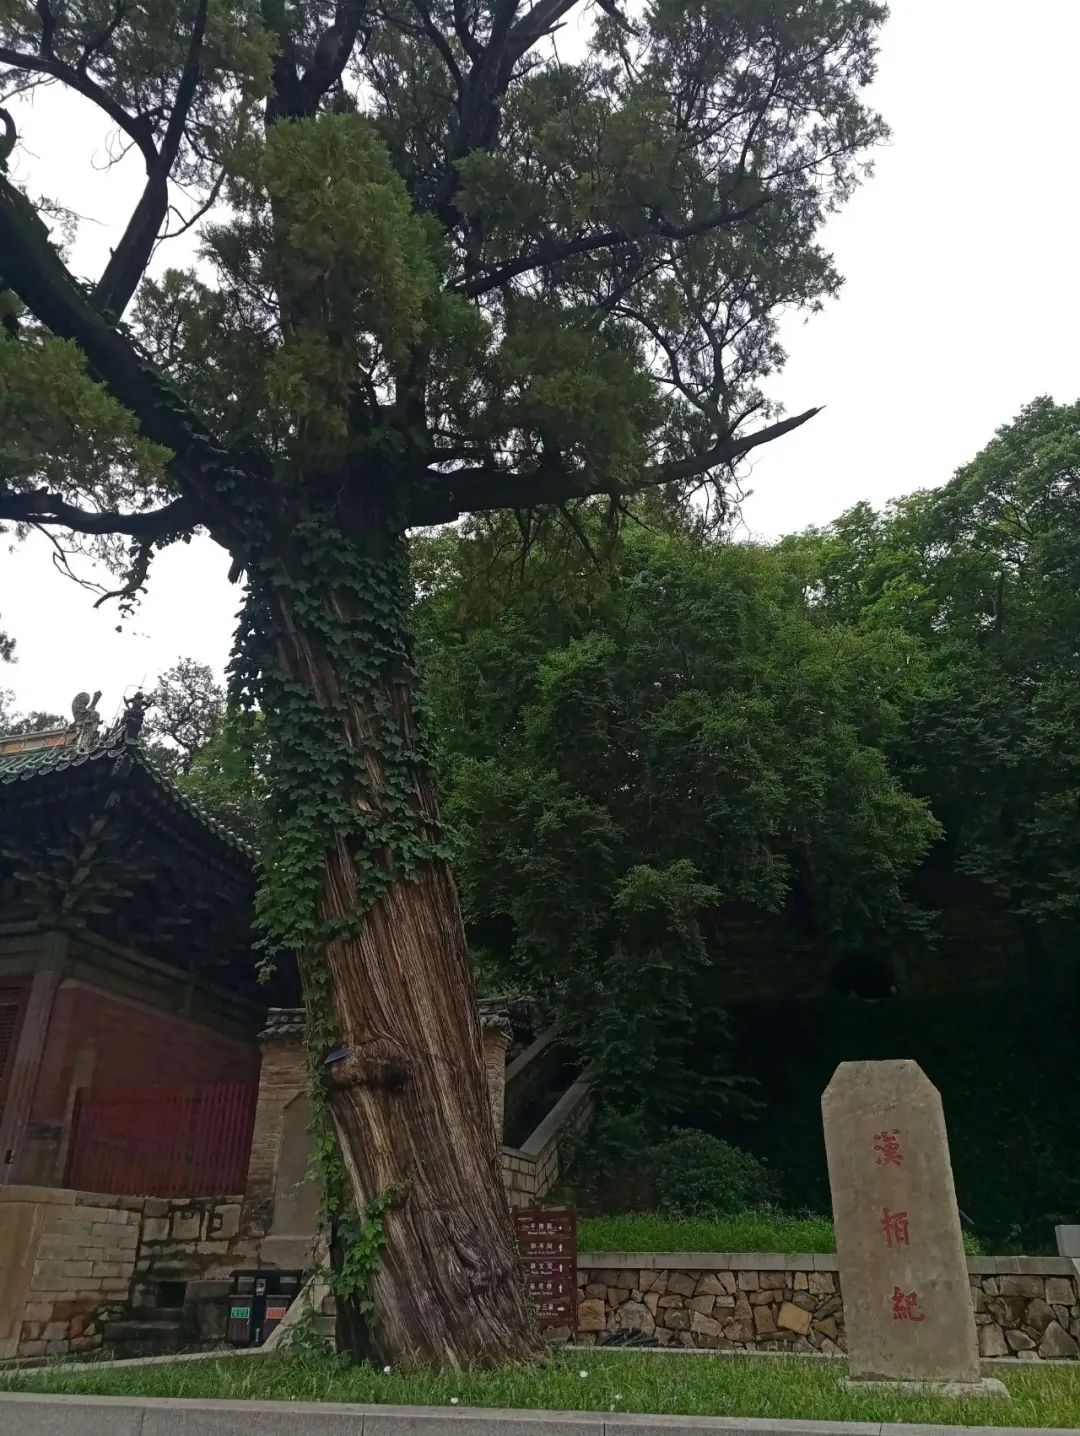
[85, 720]
[134, 714]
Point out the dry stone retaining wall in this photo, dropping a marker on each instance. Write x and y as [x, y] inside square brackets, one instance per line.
[1027, 1308]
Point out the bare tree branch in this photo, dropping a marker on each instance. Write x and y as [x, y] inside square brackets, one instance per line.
[547, 255]
[535, 23]
[137, 126]
[40, 507]
[129, 259]
[48, 26]
[333, 50]
[445, 497]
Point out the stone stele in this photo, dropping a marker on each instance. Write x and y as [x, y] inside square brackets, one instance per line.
[903, 1272]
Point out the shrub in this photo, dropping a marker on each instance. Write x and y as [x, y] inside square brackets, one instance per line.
[702, 1176]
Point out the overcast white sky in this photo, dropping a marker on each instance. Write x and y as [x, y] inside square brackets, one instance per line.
[961, 302]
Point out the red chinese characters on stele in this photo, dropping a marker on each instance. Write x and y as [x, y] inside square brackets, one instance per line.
[904, 1304]
[895, 1227]
[887, 1146]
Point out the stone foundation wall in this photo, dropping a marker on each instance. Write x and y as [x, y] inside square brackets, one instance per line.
[73, 1262]
[66, 1261]
[1027, 1308]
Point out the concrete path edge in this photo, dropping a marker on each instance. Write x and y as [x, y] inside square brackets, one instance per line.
[28, 1414]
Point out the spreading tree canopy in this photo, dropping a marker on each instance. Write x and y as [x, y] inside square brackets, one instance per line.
[453, 257]
[663, 776]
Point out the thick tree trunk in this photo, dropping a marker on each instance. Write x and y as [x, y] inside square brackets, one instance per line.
[408, 1098]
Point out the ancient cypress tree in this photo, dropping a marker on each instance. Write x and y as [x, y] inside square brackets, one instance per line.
[454, 257]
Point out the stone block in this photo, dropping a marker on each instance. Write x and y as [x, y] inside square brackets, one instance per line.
[677, 1318]
[716, 1283]
[59, 1284]
[634, 1316]
[747, 1280]
[704, 1304]
[1038, 1315]
[78, 1268]
[682, 1283]
[55, 1331]
[1057, 1344]
[616, 1295]
[38, 1311]
[764, 1321]
[609, 1277]
[155, 1229]
[763, 1298]
[991, 1341]
[595, 1292]
[224, 1222]
[1007, 1310]
[669, 1300]
[1060, 1291]
[772, 1280]
[652, 1301]
[827, 1327]
[591, 1316]
[705, 1326]
[186, 1225]
[793, 1318]
[802, 1281]
[739, 1332]
[31, 1348]
[821, 1283]
[1026, 1286]
[742, 1310]
[156, 1207]
[59, 1347]
[1019, 1341]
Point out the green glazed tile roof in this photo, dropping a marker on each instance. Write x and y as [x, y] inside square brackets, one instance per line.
[113, 746]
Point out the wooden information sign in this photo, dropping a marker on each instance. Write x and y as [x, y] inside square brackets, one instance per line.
[547, 1241]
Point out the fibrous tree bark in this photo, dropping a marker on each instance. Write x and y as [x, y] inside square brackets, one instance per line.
[452, 271]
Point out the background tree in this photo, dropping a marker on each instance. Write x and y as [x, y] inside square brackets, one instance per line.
[186, 711]
[456, 272]
[657, 768]
[228, 778]
[985, 574]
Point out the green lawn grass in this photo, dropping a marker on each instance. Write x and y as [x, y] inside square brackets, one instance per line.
[751, 1231]
[655, 1382]
[762, 1231]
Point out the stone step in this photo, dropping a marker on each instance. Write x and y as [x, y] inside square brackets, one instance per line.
[143, 1337]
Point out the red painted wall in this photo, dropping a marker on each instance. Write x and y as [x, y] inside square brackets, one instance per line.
[101, 1042]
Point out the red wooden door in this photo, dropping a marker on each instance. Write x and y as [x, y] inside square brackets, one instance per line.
[163, 1141]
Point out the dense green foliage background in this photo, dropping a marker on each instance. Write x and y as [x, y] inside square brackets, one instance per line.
[837, 776]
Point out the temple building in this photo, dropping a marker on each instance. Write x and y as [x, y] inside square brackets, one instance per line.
[129, 1005]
